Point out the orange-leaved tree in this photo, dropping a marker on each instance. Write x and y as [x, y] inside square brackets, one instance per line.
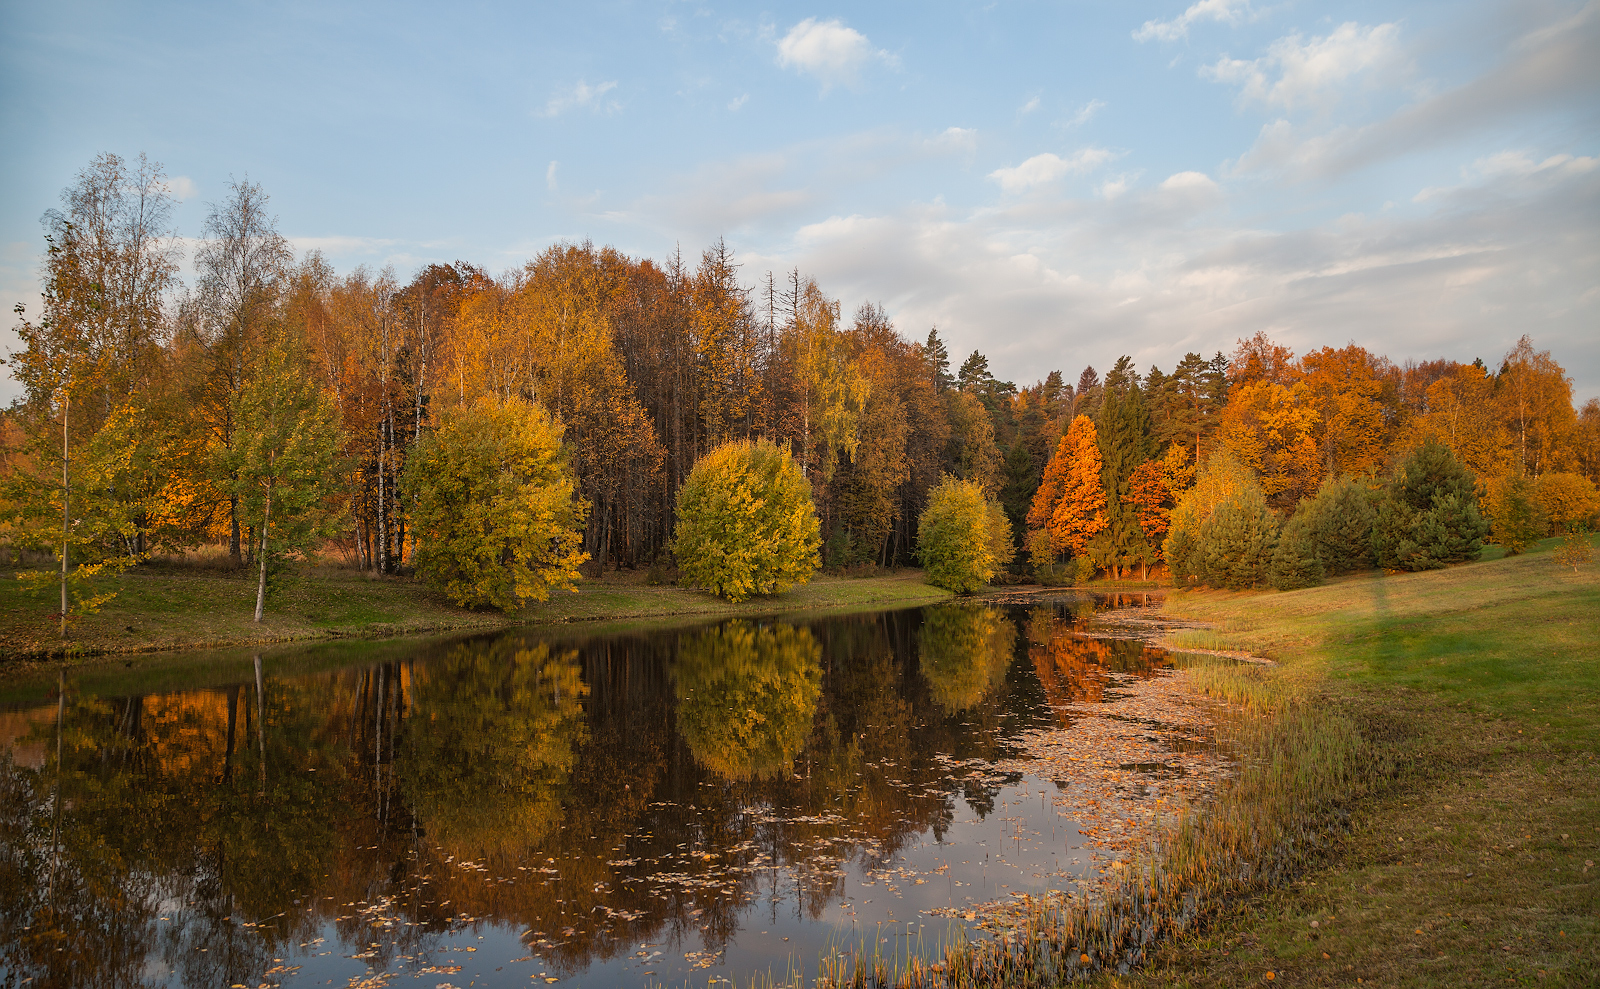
[1080, 513]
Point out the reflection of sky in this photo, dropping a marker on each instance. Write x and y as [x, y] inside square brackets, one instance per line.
[1023, 846]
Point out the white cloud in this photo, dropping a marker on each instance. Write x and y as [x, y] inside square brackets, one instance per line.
[1547, 71]
[341, 245]
[582, 97]
[1512, 168]
[738, 101]
[1156, 271]
[1085, 113]
[953, 139]
[1029, 106]
[759, 194]
[1189, 182]
[833, 53]
[1295, 73]
[182, 188]
[1046, 168]
[550, 176]
[1227, 11]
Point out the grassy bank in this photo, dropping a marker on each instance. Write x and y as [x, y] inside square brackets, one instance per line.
[175, 607]
[1474, 821]
[1416, 801]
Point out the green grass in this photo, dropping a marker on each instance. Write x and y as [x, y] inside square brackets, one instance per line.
[176, 607]
[1466, 861]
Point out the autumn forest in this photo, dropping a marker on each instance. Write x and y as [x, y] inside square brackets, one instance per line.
[647, 365]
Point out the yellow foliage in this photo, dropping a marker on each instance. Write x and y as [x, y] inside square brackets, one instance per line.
[1270, 429]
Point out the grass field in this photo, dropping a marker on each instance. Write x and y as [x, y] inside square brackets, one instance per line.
[171, 607]
[1473, 862]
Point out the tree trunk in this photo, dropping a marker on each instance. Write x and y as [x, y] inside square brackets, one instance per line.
[261, 586]
[66, 505]
[383, 527]
[233, 535]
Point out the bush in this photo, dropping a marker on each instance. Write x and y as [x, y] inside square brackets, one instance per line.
[1428, 517]
[746, 523]
[1567, 501]
[1236, 543]
[1514, 517]
[494, 508]
[963, 538]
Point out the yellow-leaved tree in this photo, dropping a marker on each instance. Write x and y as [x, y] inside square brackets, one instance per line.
[964, 653]
[746, 697]
[963, 537]
[496, 514]
[746, 522]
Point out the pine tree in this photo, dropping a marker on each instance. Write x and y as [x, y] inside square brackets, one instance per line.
[1429, 514]
[1294, 561]
[1339, 519]
[938, 357]
[1237, 542]
[1021, 481]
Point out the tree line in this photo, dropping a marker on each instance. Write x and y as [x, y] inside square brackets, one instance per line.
[275, 388]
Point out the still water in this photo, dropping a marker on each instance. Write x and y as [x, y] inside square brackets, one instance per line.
[662, 808]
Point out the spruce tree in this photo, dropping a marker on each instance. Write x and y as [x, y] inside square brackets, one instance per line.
[1125, 443]
[1340, 518]
[1429, 515]
[1294, 562]
[1238, 541]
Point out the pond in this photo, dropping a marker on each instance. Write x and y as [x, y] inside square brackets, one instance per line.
[654, 808]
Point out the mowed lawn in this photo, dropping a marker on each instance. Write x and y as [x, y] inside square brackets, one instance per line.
[1477, 865]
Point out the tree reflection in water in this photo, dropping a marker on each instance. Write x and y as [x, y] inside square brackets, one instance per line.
[966, 650]
[746, 695]
[597, 793]
[488, 744]
[1073, 668]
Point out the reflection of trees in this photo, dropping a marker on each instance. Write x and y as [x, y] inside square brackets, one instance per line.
[166, 806]
[489, 744]
[746, 694]
[1072, 667]
[965, 652]
[378, 781]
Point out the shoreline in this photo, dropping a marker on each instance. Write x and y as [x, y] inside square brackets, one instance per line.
[174, 610]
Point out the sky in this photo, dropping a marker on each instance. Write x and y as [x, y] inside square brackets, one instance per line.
[1055, 184]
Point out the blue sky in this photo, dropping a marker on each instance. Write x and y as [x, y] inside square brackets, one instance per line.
[1053, 183]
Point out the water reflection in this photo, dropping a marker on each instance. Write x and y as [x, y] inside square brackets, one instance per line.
[489, 742]
[965, 651]
[746, 696]
[629, 808]
[1072, 668]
